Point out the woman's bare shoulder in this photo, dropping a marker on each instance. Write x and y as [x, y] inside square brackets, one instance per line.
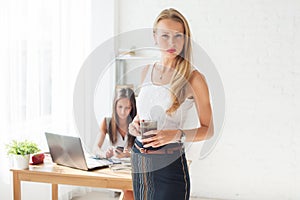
[103, 126]
[145, 69]
[197, 78]
[197, 83]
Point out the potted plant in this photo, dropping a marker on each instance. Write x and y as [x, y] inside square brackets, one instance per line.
[20, 152]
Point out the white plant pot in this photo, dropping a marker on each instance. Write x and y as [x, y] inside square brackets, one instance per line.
[21, 162]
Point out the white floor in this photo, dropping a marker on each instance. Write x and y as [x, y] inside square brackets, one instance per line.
[97, 195]
[109, 195]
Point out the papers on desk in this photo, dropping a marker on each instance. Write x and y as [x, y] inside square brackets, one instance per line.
[124, 165]
[120, 167]
[112, 160]
[119, 164]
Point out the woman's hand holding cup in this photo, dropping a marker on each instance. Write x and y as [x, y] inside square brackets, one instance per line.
[134, 127]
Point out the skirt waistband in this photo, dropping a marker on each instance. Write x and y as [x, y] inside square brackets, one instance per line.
[166, 149]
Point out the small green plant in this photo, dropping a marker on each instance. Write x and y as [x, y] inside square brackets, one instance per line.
[22, 147]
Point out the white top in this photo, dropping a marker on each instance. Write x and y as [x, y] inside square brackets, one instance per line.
[120, 141]
[153, 101]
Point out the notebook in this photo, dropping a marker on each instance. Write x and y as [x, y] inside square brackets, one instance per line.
[68, 151]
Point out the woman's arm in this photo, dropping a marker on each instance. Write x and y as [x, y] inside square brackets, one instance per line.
[103, 129]
[134, 127]
[199, 91]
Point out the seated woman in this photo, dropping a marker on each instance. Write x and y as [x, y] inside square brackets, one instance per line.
[116, 126]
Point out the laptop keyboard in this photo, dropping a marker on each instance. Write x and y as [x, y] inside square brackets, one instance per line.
[91, 163]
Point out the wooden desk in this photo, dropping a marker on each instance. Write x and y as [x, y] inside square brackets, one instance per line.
[56, 174]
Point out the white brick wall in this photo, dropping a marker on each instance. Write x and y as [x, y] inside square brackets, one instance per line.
[255, 46]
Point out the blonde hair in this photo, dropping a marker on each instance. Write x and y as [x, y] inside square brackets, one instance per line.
[182, 64]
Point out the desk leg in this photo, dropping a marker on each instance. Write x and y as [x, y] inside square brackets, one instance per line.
[126, 195]
[17, 186]
[54, 192]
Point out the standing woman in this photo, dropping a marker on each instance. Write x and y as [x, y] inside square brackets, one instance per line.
[116, 126]
[169, 89]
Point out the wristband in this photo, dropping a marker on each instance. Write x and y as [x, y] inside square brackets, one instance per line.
[182, 136]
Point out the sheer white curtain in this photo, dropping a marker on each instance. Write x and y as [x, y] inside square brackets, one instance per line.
[42, 46]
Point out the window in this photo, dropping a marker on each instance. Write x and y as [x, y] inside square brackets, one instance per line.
[43, 45]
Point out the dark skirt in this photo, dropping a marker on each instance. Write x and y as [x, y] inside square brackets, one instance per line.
[160, 176]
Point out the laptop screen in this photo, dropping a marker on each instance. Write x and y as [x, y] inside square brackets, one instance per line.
[66, 150]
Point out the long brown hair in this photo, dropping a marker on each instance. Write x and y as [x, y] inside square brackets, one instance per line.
[182, 64]
[114, 123]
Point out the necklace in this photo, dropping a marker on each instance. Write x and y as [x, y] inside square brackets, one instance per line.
[161, 72]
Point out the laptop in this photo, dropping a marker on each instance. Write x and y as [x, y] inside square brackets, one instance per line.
[68, 151]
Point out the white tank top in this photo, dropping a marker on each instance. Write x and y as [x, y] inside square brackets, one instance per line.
[120, 141]
[153, 101]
